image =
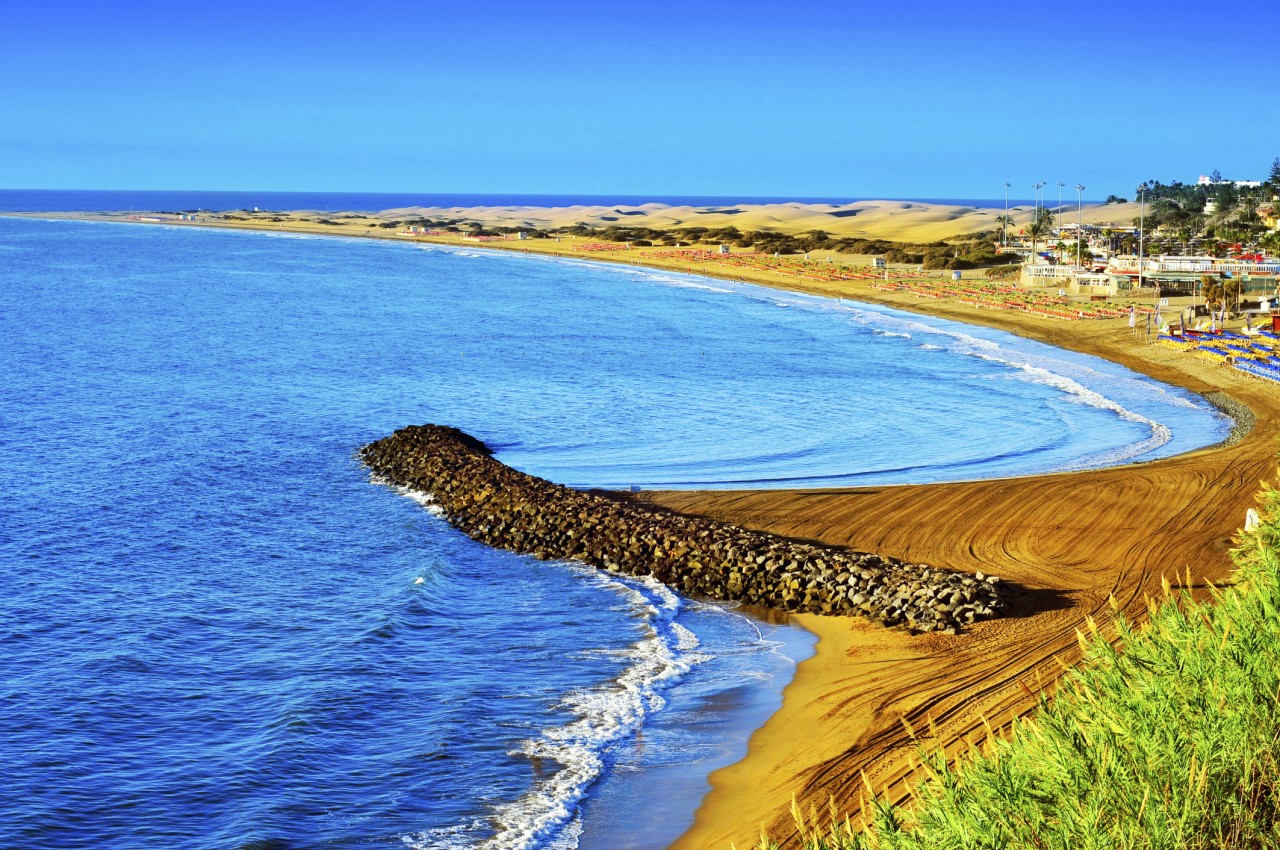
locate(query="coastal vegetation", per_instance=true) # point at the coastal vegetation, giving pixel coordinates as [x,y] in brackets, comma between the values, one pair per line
[973,250]
[1167,737]
[1211,214]
[967,252]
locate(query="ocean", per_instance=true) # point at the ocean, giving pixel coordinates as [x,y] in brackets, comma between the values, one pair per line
[174,200]
[219,632]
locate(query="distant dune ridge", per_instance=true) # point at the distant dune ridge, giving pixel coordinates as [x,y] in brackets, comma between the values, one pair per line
[895,221]
[911,221]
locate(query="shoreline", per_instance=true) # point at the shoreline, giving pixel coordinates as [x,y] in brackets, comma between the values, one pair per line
[508,509]
[1075,538]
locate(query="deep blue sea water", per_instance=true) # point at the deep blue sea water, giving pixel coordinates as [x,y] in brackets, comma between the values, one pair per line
[217,632]
[175,200]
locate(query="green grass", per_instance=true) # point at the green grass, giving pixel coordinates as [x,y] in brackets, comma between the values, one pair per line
[1169,739]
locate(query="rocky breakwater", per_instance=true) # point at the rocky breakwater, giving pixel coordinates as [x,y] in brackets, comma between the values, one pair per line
[508,509]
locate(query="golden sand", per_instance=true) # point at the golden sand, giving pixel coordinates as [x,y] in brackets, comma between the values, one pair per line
[908,221]
[1072,541]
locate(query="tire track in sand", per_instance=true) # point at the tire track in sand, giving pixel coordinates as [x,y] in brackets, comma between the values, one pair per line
[1070,541]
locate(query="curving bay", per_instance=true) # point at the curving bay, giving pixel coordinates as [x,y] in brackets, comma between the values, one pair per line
[214,615]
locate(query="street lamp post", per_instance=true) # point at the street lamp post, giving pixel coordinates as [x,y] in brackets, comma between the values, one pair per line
[1079,201]
[1142,211]
[1060,185]
[1004,237]
[1038,186]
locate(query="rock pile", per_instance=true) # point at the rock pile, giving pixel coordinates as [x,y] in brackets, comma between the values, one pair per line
[508,509]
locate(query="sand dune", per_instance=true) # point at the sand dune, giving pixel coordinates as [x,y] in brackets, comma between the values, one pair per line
[896,220]
[908,221]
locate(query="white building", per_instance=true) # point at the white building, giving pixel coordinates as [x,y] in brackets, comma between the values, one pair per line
[1204,180]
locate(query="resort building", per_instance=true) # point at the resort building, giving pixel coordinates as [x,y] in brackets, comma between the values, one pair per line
[1269,215]
[1205,180]
[1170,274]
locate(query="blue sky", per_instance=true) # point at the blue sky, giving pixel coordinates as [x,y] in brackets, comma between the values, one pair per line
[911,98]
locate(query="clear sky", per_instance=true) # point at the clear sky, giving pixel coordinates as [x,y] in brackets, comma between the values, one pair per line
[910,98]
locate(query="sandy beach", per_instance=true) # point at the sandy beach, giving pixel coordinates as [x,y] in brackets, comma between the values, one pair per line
[1074,541]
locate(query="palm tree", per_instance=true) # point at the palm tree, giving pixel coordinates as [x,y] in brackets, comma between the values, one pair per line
[1172,212]
[1271,243]
[1004,221]
[1039,226]
[1080,252]
[1035,229]
[1221,215]
[1184,236]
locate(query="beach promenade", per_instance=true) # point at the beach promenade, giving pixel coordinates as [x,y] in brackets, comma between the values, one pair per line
[1072,541]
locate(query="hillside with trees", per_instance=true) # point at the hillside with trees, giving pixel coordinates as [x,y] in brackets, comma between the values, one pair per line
[1212,216]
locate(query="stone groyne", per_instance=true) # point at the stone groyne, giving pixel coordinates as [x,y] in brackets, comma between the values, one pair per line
[508,509]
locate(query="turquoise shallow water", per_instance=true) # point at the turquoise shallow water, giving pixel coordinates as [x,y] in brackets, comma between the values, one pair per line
[217,632]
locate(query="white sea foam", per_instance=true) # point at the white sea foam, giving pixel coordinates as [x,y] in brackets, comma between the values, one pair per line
[447,837]
[1050,372]
[425,499]
[688,284]
[420,496]
[665,279]
[607,715]
[1080,394]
